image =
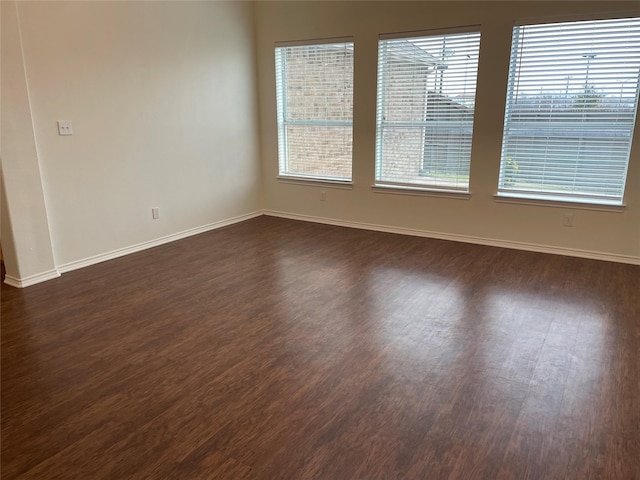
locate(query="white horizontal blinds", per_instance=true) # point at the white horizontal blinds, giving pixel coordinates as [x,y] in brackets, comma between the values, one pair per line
[315,110]
[425,109]
[571,106]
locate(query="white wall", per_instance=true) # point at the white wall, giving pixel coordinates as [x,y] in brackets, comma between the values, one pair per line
[600,234]
[163,103]
[31,257]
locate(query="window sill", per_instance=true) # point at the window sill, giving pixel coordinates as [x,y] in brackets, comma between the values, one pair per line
[317,182]
[552,202]
[423,192]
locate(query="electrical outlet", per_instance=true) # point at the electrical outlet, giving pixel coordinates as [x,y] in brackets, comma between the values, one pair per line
[65,127]
[567,220]
[323,196]
[155,213]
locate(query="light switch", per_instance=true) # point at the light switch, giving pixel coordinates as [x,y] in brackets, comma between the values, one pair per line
[65,127]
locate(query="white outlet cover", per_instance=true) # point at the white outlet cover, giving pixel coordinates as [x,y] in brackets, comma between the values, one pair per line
[65,127]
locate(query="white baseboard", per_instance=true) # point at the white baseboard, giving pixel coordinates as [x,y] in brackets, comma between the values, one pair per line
[103,257]
[531,247]
[31,279]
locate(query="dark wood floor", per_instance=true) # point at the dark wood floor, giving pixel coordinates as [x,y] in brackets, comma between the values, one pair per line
[280,349]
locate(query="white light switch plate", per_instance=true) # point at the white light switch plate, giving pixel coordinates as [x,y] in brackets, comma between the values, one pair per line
[65,127]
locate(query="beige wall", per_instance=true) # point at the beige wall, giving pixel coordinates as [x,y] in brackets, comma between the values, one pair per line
[24,213]
[163,103]
[614,234]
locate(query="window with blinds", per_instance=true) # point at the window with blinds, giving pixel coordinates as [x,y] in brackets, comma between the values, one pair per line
[425,110]
[571,105]
[314,88]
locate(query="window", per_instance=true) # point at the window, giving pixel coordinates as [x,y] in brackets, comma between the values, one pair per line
[571,104]
[425,109]
[314,87]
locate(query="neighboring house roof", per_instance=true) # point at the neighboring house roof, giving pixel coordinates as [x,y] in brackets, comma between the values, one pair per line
[409,52]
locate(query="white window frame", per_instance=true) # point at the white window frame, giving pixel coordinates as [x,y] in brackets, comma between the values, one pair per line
[386,185]
[285,174]
[507,187]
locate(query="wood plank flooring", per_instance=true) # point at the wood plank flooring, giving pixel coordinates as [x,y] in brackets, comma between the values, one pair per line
[276,349]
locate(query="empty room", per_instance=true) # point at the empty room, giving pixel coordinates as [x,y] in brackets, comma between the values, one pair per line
[320,240]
